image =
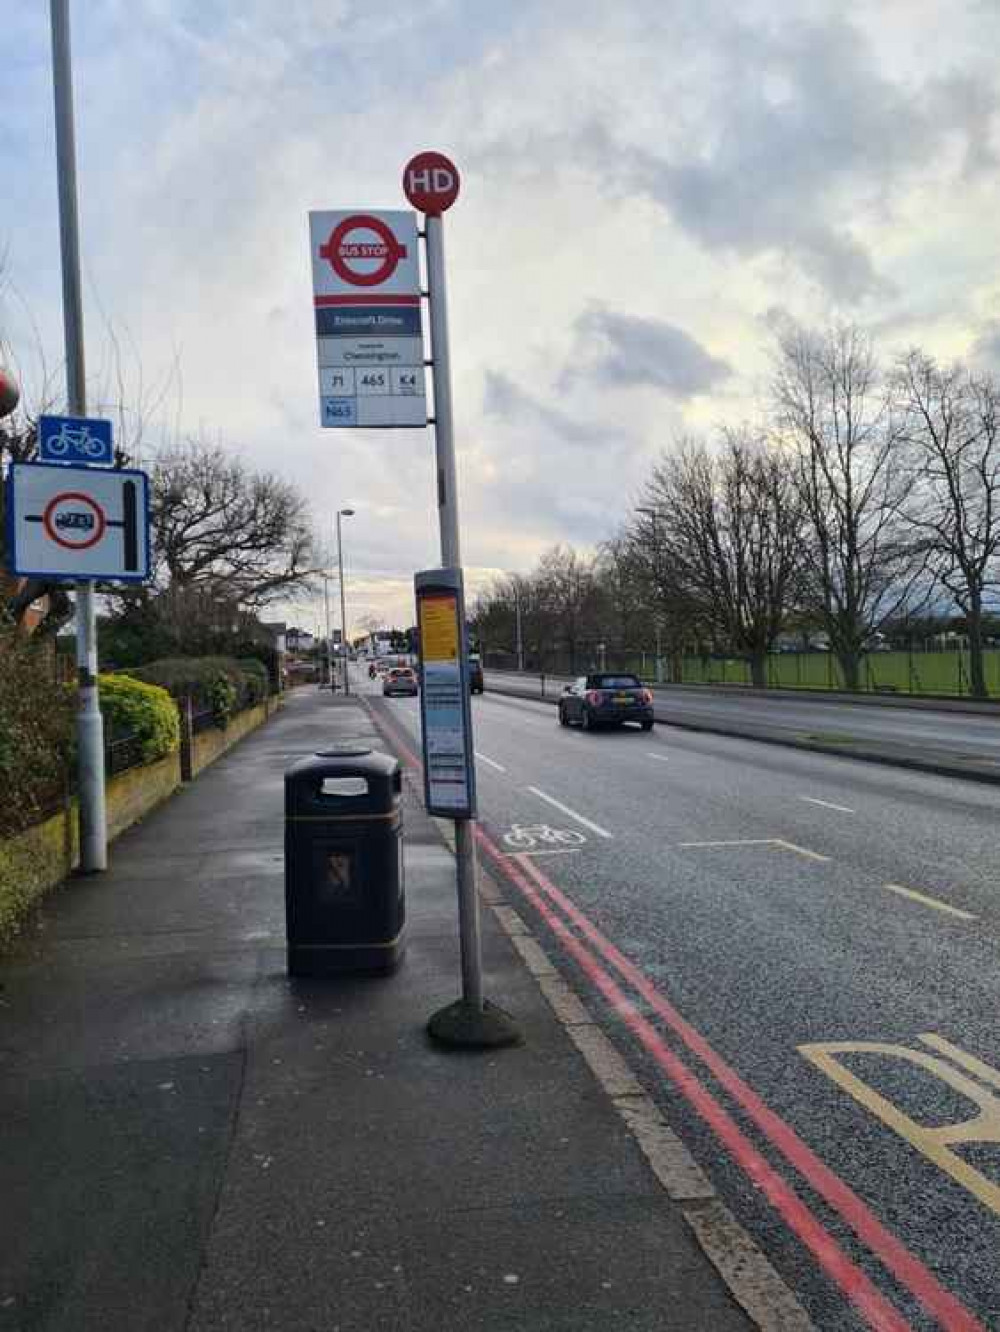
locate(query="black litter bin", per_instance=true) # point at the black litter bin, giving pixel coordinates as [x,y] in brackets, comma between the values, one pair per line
[344,899]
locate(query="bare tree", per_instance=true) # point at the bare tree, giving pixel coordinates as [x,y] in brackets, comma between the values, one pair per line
[226,541]
[731,534]
[952,423]
[834,412]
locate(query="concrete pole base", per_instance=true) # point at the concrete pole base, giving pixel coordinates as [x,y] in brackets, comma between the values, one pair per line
[463,1026]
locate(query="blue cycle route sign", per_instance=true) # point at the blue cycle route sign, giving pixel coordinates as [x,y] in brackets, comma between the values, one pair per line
[75,439]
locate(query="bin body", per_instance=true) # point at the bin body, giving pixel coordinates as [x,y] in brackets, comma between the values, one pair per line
[344,892]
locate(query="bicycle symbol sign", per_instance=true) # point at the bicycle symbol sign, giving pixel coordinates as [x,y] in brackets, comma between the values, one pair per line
[75,439]
[540,836]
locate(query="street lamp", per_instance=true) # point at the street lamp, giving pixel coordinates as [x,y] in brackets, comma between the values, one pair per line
[343,513]
[653,515]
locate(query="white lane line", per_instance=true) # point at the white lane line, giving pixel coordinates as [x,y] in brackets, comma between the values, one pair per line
[594,827]
[740,841]
[560,851]
[799,850]
[492,762]
[659,758]
[929,901]
[826,804]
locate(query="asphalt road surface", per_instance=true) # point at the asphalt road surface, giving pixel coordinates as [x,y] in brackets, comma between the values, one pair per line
[920,729]
[737,914]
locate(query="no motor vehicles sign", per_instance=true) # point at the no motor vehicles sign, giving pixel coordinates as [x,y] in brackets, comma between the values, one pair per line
[69,523]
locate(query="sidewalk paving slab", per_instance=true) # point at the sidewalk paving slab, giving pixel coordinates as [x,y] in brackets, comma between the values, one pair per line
[194,1142]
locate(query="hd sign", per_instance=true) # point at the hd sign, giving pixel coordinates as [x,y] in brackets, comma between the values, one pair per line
[366,294]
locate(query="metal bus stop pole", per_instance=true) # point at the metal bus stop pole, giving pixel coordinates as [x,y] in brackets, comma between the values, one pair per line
[473,1022]
[90,725]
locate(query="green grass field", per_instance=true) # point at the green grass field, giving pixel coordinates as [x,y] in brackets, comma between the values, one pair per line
[901,672]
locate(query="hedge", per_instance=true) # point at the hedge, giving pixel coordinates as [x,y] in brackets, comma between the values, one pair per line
[145,711]
[220,684]
[36,731]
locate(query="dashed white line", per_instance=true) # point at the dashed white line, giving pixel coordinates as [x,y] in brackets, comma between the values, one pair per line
[826,804]
[492,762]
[924,900]
[659,758]
[594,827]
[740,841]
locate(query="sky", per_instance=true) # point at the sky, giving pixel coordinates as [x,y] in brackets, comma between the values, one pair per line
[651,189]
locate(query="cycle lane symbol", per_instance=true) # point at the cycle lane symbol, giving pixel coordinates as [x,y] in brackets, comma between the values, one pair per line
[541,838]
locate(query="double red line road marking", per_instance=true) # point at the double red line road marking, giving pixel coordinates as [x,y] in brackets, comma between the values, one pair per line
[600,960]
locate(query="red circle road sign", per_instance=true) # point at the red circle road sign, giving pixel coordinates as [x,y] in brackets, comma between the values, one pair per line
[345,249]
[431,182]
[74,520]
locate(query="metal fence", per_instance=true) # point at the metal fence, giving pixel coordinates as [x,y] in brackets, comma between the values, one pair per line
[916,669]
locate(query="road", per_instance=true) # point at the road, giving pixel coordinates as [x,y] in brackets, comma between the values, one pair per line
[732,911]
[943,732]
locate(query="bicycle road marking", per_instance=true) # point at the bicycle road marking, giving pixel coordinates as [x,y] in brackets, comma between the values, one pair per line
[525,837]
[492,762]
[827,804]
[924,900]
[587,823]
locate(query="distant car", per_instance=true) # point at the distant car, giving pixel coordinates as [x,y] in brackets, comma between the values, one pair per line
[606,699]
[401,680]
[476,682]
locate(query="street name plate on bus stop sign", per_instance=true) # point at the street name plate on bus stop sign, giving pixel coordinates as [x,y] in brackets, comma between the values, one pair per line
[369,339]
[446,720]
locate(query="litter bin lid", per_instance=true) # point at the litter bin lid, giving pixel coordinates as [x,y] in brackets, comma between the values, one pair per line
[348,749]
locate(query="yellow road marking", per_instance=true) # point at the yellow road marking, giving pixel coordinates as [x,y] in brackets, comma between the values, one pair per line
[799,850]
[929,901]
[934,1143]
[761,841]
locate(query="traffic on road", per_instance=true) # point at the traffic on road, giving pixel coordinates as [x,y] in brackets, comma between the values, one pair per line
[797,955]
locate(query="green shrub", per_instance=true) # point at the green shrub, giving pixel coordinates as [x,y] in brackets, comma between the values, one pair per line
[217,684]
[36,732]
[133,708]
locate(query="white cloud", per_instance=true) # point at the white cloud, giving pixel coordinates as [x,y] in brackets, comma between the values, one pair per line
[641,183]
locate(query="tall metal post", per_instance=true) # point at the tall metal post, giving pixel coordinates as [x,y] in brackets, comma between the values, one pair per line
[517,626]
[343,513]
[451,557]
[90,726]
[329,641]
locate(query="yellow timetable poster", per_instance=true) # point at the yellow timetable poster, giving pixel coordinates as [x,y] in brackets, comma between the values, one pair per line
[439,628]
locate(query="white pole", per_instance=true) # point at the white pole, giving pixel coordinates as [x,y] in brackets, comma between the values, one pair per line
[343,603]
[89,723]
[517,620]
[451,557]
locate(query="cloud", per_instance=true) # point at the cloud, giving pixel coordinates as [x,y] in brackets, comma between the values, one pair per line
[622,351]
[985,350]
[504,399]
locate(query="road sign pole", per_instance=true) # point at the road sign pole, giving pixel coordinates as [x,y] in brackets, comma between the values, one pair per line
[90,726]
[473,1022]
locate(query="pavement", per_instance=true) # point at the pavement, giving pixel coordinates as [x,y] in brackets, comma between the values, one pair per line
[951,738]
[193,1141]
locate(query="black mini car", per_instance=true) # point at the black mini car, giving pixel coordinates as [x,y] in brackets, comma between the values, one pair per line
[606,700]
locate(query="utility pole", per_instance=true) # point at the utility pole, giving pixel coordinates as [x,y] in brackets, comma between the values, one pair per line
[654,515]
[89,723]
[329,643]
[517,625]
[343,513]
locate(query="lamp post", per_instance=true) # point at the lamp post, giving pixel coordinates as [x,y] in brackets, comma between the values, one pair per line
[517,625]
[343,513]
[326,613]
[653,515]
